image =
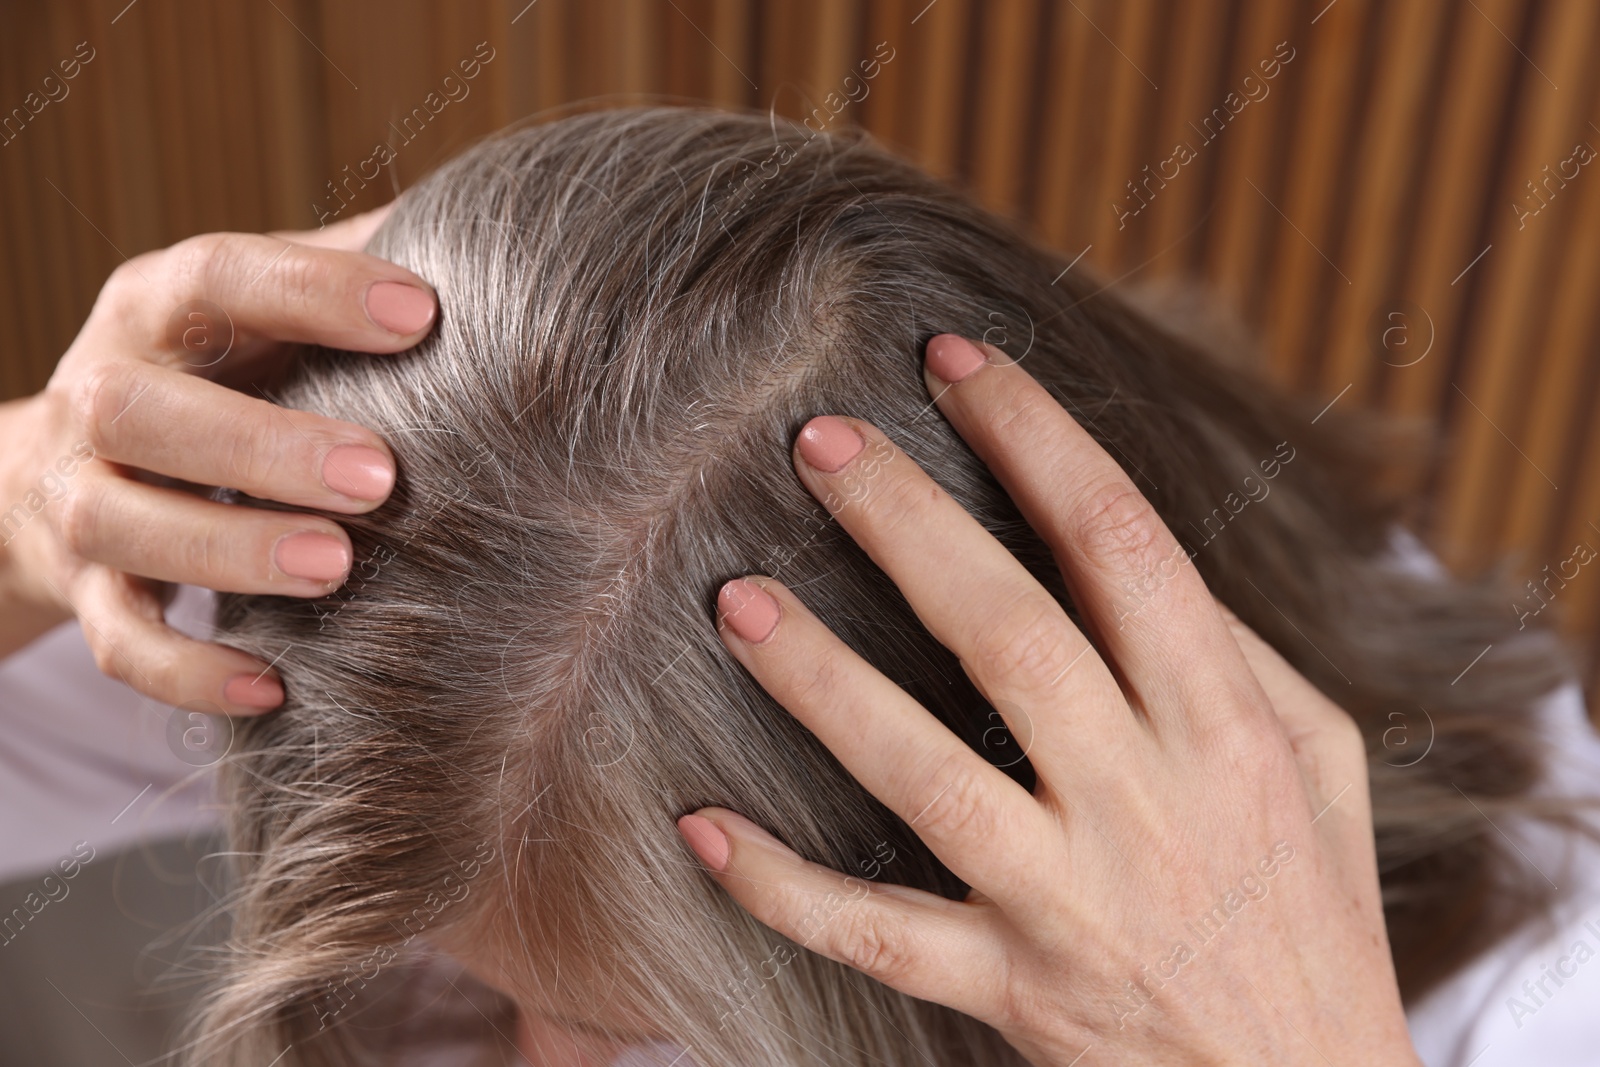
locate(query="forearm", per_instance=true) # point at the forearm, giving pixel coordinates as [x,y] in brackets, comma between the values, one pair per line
[28,608]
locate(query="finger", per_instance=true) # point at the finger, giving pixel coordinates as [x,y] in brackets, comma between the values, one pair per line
[1012,636]
[1328,746]
[230,285]
[125,630]
[1126,571]
[919,943]
[1301,706]
[1327,743]
[979,822]
[351,234]
[160,420]
[171,536]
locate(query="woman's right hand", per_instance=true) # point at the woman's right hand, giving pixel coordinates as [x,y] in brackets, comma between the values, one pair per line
[93,514]
[1193,879]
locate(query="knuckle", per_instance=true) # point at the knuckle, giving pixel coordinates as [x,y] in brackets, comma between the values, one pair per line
[879,489]
[879,946]
[1032,643]
[122,276]
[1020,997]
[253,455]
[1234,707]
[199,265]
[99,397]
[1254,740]
[203,557]
[1119,530]
[1346,742]
[127,282]
[817,685]
[78,517]
[304,276]
[961,806]
[106,658]
[1022,414]
[1253,748]
[891,503]
[123,304]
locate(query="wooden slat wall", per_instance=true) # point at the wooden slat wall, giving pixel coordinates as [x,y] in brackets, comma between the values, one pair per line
[1377,175]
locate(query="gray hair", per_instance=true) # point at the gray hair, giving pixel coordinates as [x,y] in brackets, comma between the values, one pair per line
[639,309]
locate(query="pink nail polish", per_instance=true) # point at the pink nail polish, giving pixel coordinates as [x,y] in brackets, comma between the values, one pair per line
[708,842]
[313,556]
[249,691]
[953,358]
[398,307]
[828,443]
[749,610]
[358,472]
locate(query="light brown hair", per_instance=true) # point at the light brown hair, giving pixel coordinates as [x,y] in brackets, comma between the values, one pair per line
[639,309]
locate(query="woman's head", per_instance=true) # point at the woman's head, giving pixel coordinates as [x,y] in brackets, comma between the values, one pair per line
[490,731]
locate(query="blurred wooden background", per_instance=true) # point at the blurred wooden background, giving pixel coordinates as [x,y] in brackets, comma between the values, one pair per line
[1402,209]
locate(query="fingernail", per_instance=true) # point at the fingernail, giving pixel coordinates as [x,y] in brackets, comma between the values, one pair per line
[313,556]
[252,691]
[708,842]
[398,307]
[828,443]
[358,472]
[953,358]
[749,610]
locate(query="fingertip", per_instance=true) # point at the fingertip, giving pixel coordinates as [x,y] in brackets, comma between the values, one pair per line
[400,308]
[749,611]
[828,443]
[318,556]
[362,473]
[707,840]
[950,359]
[253,694]
[737,828]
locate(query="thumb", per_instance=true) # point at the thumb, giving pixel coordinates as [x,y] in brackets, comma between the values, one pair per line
[349,235]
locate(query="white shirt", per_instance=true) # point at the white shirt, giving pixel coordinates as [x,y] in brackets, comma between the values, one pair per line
[85,759]
[1534,999]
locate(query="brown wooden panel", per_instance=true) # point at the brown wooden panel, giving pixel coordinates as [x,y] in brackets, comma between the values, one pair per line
[1385,162]
[1004,84]
[1304,276]
[1458,168]
[936,47]
[1128,31]
[884,109]
[1193,69]
[1246,146]
[1561,397]
[1494,391]
[1065,164]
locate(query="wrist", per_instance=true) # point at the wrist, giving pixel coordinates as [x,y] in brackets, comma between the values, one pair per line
[29,606]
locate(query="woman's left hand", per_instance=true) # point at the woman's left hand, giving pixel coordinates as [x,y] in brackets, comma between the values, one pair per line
[1192,881]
